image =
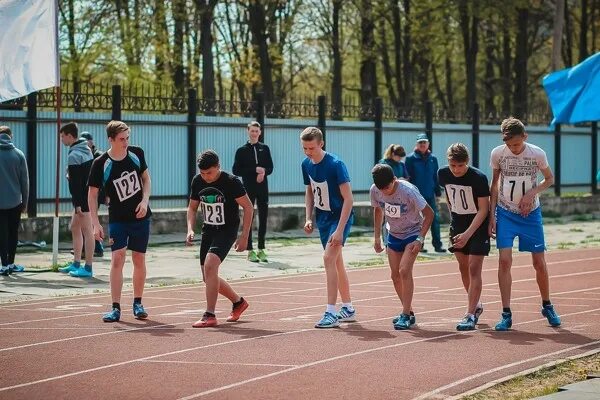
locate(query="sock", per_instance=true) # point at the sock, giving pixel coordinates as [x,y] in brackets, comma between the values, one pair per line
[88,267]
[331,309]
[507,309]
[210,314]
[546,303]
[137,300]
[117,306]
[479,304]
[239,302]
[412,313]
[348,306]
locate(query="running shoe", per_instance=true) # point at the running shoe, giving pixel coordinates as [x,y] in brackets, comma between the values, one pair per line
[403,322]
[505,323]
[69,268]
[139,312]
[549,312]
[208,320]
[262,256]
[329,320]
[16,268]
[467,323]
[82,272]
[112,316]
[236,311]
[252,257]
[346,315]
[413,319]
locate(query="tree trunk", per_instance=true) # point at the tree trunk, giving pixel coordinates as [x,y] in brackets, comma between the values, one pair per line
[506,71]
[559,18]
[387,68]
[259,40]
[161,41]
[490,41]
[407,69]
[368,76]
[470,33]
[336,82]
[206,45]
[397,31]
[520,65]
[568,48]
[583,31]
[179,15]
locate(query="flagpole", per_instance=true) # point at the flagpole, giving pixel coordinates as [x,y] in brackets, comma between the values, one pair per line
[55,222]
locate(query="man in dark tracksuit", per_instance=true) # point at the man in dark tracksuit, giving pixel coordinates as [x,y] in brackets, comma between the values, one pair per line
[253,164]
[79,163]
[99,247]
[422,168]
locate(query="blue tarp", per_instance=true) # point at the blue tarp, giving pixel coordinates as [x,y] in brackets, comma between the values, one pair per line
[574,93]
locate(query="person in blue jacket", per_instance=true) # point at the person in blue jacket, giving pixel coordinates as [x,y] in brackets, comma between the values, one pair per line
[422,167]
[393,156]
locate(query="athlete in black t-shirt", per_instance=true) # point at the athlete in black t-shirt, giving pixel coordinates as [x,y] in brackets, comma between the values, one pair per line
[219,195]
[123,174]
[468,196]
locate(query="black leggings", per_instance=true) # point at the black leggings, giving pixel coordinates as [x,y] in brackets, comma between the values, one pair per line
[262,203]
[9,230]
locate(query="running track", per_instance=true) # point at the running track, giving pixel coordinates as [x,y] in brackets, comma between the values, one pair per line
[59,348]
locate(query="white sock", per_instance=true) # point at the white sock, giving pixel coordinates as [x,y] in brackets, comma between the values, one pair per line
[331,309]
[348,306]
[479,304]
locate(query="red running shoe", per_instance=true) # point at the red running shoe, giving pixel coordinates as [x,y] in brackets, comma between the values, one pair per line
[207,321]
[236,312]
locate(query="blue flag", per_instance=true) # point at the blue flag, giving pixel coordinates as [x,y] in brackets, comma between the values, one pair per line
[574,93]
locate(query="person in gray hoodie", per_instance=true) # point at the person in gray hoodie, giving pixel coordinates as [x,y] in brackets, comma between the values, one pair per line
[79,161]
[15,193]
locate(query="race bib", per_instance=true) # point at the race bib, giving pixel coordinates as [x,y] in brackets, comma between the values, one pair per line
[127,185]
[515,187]
[320,195]
[214,213]
[392,210]
[461,199]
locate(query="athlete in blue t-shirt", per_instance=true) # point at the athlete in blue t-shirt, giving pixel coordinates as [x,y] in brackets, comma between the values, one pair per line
[408,217]
[468,199]
[328,190]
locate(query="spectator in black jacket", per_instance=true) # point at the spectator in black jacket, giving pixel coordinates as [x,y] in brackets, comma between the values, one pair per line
[99,246]
[253,164]
[79,161]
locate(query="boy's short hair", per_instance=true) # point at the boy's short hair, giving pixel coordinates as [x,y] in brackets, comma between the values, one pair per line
[70,128]
[311,133]
[458,152]
[383,175]
[207,159]
[511,127]
[5,129]
[114,128]
[253,123]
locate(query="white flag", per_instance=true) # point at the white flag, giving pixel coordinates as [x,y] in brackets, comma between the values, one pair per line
[28,47]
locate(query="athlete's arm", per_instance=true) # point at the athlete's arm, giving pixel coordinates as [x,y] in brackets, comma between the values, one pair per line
[377,222]
[93,205]
[346,192]
[493,202]
[142,208]
[527,200]
[191,220]
[246,204]
[428,215]
[309,204]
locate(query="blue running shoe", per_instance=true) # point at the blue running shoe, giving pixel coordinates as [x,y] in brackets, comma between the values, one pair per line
[82,273]
[5,270]
[346,315]
[553,318]
[467,323]
[329,320]
[139,312]
[113,316]
[505,323]
[413,319]
[403,322]
[16,268]
[478,312]
[70,268]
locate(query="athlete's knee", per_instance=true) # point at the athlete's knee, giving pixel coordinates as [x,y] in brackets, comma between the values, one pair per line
[539,264]
[329,259]
[395,275]
[405,272]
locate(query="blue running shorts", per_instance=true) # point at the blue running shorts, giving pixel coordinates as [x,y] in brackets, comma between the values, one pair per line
[399,245]
[133,235]
[327,230]
[529,230]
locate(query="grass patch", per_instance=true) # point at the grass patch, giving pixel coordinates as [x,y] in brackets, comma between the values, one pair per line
[371,262]
[591,240]
[543,382]
[583,217]
[575,230]
[551,214]
[55,267]
[565,245]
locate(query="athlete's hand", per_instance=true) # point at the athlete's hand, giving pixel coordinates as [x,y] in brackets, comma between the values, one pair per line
[98,232]
[492,227]
[189,238]
[260,170]
[377,245]
[260,177]
[526,204]
[77,210]
[308,227]
[414,247]
[241,243]
[459,241]
[336,238]
[141,209]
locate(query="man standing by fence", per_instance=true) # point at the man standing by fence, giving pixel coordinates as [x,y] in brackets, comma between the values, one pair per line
[253,164]
[422,168]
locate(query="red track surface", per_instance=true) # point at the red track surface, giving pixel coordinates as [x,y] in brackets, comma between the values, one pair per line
[60,348]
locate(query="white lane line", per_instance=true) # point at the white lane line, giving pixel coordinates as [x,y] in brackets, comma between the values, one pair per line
[219,363]
[263,337]
[357,353]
